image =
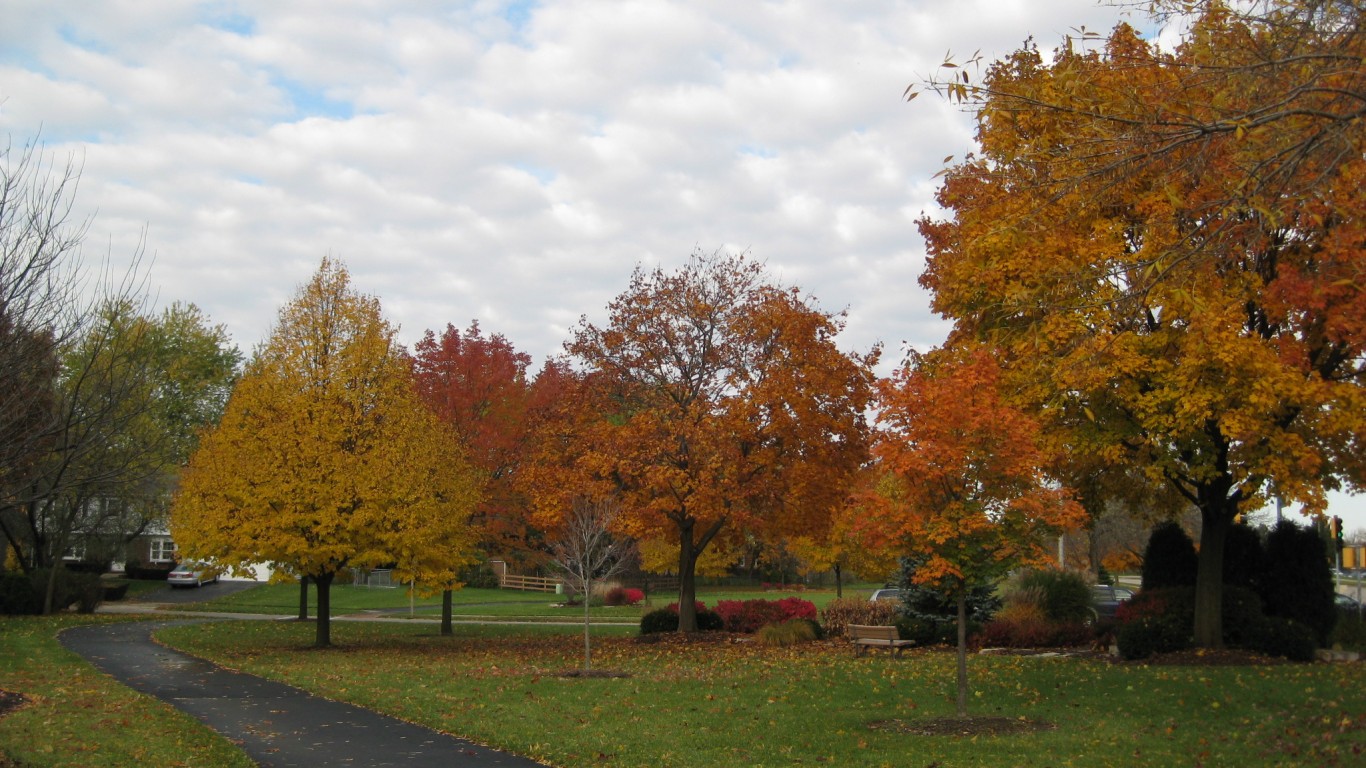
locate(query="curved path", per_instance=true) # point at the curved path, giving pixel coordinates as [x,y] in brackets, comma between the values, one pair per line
[275,724]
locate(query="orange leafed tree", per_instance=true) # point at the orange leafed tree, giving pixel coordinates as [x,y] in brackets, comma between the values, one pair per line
[964,489]
[1167,245]
[711,401]
[326,459]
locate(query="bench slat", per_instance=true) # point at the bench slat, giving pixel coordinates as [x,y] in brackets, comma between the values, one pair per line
[866,636]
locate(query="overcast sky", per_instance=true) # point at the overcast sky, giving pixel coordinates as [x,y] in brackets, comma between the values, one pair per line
[509,162]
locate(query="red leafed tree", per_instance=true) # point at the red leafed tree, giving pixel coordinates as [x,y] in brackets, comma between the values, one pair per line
[964,491]
[478,384]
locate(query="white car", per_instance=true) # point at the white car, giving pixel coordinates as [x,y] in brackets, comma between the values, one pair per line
[190,574]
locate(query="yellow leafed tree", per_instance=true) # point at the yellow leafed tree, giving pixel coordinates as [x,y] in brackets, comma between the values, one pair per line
[326,459]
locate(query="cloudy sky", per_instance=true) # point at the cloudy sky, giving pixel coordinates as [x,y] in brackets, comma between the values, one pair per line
[509,162]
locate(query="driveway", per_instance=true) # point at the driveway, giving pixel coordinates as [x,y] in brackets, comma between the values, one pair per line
[181,595]
[275,724]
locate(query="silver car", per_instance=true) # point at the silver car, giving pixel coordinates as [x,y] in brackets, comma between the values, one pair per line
[191,574]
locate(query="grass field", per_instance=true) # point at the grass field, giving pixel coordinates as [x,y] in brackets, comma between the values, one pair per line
[469,603]
[76,716]
[729,703]
[711,703]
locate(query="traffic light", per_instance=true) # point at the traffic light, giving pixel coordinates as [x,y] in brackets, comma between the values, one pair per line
[1336,527]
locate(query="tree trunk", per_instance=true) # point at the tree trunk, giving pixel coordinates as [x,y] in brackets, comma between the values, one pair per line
[688,552]
[687,581]
[446,629]
[839,582]
[963,651]
[1215,522]
[324,636]
[587,642]
[50,592]
[303,599]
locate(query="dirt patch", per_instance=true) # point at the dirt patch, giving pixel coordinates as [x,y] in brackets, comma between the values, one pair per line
[592,674]
[1206,657]
[1193,657]
[10,702]
[963,726]
[691,638]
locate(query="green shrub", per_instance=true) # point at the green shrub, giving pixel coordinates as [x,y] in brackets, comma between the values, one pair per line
[710,621]
[1064,596]
[1244,557]
[86,591]
[921,601]
[1244,621]
[786,633]
[18,595]
[1298,584]
[666,620]
[927,631]
[1169,560]
[817,631]
[1349,634]
[1148,635]
[1287,638]
[660,620]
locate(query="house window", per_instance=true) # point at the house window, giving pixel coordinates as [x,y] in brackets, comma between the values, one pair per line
[74,552]
[162,550]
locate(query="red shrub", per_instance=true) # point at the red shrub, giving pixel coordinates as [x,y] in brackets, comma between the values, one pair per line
[1033,634]
[749,616]
[623,596]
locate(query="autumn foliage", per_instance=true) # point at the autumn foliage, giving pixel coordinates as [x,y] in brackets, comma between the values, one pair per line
[478,385]
[964,492]
[712,402]
[326,459]
[1166,245]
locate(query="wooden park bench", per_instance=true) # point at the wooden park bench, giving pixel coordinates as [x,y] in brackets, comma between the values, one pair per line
[865,637]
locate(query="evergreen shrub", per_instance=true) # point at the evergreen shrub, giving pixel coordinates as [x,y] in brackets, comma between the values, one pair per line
[1287,638]
[1169,559]
[18,595]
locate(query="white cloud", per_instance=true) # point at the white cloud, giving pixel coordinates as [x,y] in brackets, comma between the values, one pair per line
[509,162]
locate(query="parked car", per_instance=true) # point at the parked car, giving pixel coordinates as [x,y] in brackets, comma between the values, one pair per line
[1108,598]
[888,593]
[1347,602]
[191,574]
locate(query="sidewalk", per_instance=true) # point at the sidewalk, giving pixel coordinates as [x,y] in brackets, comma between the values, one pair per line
[275,724]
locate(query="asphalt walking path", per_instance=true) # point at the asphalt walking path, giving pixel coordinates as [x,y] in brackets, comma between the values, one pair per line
[277,725]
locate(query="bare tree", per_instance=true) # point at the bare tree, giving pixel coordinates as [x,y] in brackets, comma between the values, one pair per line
[86,408]
[588,552]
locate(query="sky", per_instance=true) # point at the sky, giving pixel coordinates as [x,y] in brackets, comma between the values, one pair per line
[511,162]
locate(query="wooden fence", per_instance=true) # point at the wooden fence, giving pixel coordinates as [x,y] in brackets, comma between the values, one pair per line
[529,583]
[651,584]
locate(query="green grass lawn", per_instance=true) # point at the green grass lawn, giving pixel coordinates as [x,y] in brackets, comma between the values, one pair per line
[471,603]
[726,704]
[695,704]
[76,716]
